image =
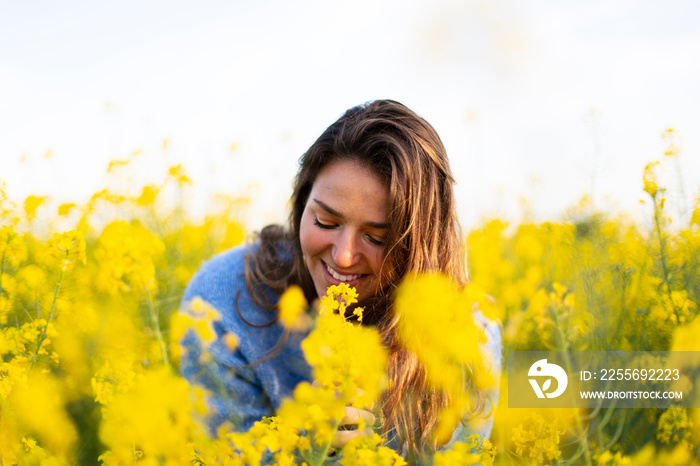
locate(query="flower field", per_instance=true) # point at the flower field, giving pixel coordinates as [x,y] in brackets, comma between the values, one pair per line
[89,332]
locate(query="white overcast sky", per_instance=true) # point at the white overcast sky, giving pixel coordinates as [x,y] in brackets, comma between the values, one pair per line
[544,100]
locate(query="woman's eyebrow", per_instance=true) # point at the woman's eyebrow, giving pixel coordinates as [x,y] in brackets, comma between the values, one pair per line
[335,213]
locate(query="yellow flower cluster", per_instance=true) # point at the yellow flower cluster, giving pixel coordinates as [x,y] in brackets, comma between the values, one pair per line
[349,368]
[69,248]
[650,186]
[537,439]
[348,359]
[292,306]
[337,299]
[369,450]
[674,426]
[599,282]
[474,450]
[427,306]
[89,325]
[80,321]
[134,421]
[128,253]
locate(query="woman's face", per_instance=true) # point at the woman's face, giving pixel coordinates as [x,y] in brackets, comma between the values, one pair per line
[343,228]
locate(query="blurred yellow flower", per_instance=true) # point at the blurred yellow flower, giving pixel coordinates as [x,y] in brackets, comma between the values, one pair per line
[291,306]
[674,426]
[155,415]
[537,439]
[176,172]
[148,195]
[64,209]
[363,451]
[69,248]
[650,185]
[13,249]
[346,358]
[31,204]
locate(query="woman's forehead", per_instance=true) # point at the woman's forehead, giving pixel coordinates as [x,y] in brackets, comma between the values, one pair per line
[350,188]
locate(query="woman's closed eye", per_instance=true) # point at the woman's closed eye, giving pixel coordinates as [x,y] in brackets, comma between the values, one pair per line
[375,241]
[325,226]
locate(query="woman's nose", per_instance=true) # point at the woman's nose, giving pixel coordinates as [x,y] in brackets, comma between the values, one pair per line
[346,253]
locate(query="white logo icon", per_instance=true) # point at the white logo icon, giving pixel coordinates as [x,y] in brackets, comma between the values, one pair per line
[542,369]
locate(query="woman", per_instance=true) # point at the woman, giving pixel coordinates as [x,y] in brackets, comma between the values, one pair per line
[372,202]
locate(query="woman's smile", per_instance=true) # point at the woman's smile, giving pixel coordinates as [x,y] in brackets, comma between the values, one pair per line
[343,278]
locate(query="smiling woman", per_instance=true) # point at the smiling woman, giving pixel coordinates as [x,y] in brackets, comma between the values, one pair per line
[372,204]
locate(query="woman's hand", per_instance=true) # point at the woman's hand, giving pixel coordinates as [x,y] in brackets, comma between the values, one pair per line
[348,427]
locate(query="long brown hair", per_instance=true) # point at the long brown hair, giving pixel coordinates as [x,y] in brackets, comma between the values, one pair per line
[423,236]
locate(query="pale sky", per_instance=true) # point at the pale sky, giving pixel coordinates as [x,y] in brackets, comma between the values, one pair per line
[531,98]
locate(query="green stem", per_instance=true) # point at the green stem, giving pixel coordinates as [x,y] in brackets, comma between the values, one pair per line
[51,316]
[618,432]
[662,248]
[583,437]
[2,263]
[154,317]
[156,327]
[319,457]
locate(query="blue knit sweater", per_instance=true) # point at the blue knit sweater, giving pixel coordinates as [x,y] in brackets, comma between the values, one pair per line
[257,391]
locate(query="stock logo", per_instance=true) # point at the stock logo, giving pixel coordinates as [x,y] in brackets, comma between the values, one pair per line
[542,369]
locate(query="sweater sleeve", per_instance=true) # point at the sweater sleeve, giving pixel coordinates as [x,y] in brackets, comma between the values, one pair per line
[238,391]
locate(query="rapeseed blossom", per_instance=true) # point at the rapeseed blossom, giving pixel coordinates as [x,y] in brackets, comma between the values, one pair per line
[674,426]
[152,421]
[474,450]
[444,354]
[650,186]
[127,254]
[452,359]
[292,305]
[86,317]
[346,358]
[69,248]
[362,451]
[537,439]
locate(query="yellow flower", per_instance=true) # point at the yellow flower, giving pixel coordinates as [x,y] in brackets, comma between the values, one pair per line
[338,298]
[358,312]
[40,408]
[203,317]
[64,209]
[126,254]
[148,195]
[69,248]
[685,337]
[362,451]
[291,307]
[109,381]
[156,416]
[445,339]
[537,439]
[650,185]
[31,204]
[346,358]
[475,450]
[231,341]
[176,172]
[12,247]
[316,410]
[674,426]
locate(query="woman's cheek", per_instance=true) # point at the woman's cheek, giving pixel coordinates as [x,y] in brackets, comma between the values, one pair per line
[310,239]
